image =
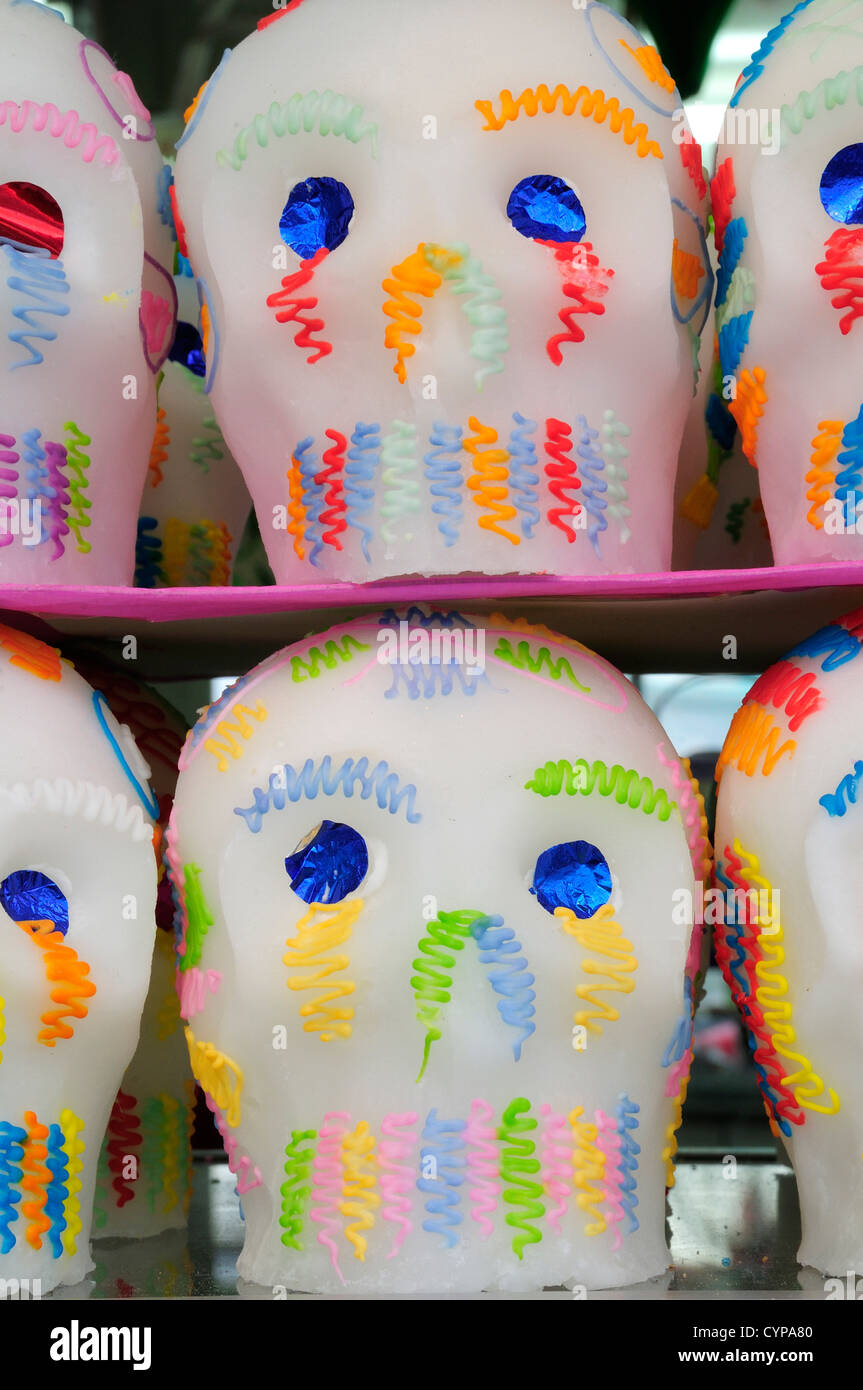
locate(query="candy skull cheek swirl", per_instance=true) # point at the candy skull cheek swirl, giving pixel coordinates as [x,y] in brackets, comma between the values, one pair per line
[432,255]
[787,208]
[77,891]
[788,829]
[84,264]
[426,935]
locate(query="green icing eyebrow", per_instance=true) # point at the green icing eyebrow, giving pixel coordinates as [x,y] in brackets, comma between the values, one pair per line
[828,93]
[627,786]
[322,113]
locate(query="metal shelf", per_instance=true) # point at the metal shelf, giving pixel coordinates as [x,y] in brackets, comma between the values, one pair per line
[728,1240]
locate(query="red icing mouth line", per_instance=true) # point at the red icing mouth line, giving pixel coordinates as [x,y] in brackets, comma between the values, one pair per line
[124,1135]
[279,14]
[585,277]
[842,269]
[334,501]
[562,475]
[788,689]
[691,159]
[722,195]
[765,1054]
[293,309]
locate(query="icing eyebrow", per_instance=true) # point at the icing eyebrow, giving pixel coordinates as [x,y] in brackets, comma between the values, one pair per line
[626,785]
[579,101]
[318,113]
[287,784]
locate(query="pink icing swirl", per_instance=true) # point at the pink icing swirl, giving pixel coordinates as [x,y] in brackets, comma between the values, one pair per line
[192,988]
[556,1159]
[327,1188]
[397,1178]
[242,1167]
[483,1165]
[608,1143]
[676,1072]
[62,125]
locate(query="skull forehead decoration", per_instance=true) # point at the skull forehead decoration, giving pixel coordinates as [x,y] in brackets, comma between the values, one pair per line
[195,501]
[788,211]
[87,303]
[428,958]
[788,835]
[77,898]
[436,254]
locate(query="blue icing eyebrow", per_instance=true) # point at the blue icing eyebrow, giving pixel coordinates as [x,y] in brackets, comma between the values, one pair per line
[434,619]
[313,778]
[755,67]
[143,791]
[203,99]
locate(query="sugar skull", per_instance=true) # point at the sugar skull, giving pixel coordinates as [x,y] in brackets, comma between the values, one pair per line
[144,1180]
[87,303]
[788,213]
[788,867]
[77,899]
[444,1014]
[453,272]
[195,502]
[719,518]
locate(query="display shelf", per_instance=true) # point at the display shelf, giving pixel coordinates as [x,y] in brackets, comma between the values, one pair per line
[727,1240]
[670,622]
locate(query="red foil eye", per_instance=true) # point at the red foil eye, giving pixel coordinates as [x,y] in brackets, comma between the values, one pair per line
[31,217]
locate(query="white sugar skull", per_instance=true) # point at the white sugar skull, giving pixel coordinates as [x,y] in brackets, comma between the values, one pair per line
[719,517]
[77,897]
[429,960]
[454,272]
[195,502]
[144,1182]
[87,303]
[788,833]
[788,211]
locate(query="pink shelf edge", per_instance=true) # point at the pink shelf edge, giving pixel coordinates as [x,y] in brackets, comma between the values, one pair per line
[172,605]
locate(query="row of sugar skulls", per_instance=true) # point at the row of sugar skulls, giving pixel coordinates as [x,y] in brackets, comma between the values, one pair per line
[78,889]
[787,206]
[436,259]
[428,467]
[587,172]
[434,1064]
[89,311]
[480,1035]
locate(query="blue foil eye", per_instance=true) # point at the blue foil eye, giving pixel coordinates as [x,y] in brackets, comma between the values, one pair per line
[28,896]
[317,214]
[841,186]
[574,875]
[188,349]
[545,208]
[330,865]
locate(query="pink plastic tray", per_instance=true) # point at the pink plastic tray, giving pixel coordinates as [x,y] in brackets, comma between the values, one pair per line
[172,605]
